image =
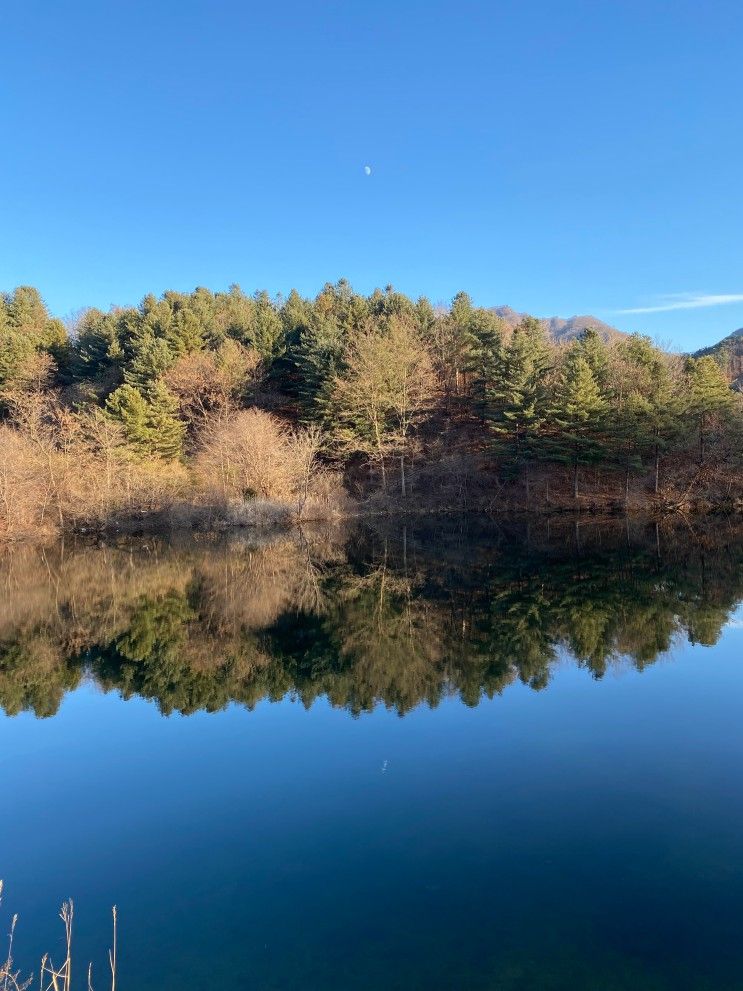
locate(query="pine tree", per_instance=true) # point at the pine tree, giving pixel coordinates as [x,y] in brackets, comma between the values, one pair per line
[578,415]
[591,346]
[709,398]
[150,357]
[28,339]
[425,317]
[186,334]
[96,348]
[339,303]
[485,354]
[129,408]
[390,303]
[26,312]
[517,397]
[268,332]
[318,358]
[235,316]
[458,342]
[645,406]
[296,315]
[150,424]
[165,431]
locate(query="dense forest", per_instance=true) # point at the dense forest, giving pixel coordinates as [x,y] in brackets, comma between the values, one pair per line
[202,407]
[393,614]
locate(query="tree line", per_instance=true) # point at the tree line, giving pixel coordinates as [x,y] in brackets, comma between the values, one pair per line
[289,398]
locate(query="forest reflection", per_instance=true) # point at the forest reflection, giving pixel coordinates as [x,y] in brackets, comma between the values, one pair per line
[391,614]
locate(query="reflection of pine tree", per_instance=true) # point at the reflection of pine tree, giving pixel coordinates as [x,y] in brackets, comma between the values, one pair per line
[199,628]
[520,633]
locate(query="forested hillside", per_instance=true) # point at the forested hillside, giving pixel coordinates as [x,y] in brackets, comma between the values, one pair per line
[729,354]
[229,403]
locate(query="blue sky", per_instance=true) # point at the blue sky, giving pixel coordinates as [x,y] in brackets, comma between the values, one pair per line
[561,157]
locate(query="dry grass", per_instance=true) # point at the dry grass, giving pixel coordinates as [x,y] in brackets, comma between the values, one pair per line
[60,471]
[51,976]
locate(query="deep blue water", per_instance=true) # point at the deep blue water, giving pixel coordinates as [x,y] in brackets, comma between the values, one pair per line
[585,836]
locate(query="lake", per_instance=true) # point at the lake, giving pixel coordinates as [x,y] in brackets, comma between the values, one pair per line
[445,755]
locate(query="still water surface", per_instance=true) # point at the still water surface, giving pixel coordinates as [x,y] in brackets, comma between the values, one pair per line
[487,758]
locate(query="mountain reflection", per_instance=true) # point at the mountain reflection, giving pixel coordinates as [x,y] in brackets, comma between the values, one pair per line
[395,614]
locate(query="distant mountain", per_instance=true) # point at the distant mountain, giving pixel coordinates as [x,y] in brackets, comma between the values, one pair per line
[729,351]
[559,328]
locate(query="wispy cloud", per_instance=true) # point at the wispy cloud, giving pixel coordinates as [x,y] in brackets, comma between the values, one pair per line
[686,301]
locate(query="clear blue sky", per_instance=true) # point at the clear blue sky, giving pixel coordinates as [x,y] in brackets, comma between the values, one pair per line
[562,157]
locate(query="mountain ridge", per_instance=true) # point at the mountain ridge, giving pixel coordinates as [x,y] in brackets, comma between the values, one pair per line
[728,350]
[562,328]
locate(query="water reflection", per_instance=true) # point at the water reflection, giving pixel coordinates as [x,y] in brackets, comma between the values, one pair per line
[392,614]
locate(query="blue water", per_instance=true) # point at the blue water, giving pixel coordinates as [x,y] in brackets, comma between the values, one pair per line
[587,836]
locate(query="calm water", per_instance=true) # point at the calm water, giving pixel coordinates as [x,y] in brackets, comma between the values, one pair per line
[451,758]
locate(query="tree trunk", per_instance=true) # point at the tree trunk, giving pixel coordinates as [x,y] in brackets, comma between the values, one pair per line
[656,487]
[701,442]
[626,486]
[402,475]
[380,452]
[575,477]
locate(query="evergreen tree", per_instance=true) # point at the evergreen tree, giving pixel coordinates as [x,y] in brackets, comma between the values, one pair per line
[517,397]
[578,415]
[150,357]
[186,333]
[165,430]
[234,317]
[390,303]
[710,400]
[318,358]
[342,305]
[425,317]
[458,341]
[202,303]
[150,424]
[129,408]
[295,315]
[485,355]
[592,347]
[96,349]
[645,408]
[26,312]
[27,332]
[268,332]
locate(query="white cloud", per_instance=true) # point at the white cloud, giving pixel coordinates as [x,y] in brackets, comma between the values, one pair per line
[686,301]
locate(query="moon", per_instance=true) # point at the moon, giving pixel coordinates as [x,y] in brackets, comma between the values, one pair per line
[367,170]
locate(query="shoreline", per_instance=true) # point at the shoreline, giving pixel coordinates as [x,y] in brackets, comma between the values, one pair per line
[194,518]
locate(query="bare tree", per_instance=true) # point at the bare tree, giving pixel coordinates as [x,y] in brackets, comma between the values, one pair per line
[255,454]
[208,385]
[386,390]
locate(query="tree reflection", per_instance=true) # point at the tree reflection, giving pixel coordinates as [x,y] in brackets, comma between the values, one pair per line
[393,615]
